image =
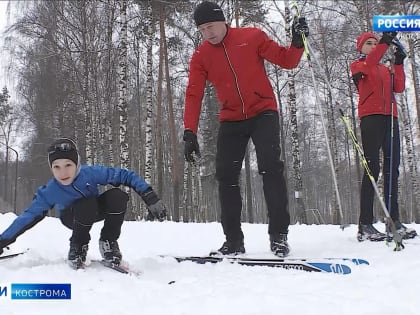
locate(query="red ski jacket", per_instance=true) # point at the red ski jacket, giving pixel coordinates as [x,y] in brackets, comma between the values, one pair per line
[235,68]
[374,84]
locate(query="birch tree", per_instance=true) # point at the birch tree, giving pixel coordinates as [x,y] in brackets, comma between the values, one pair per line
[122,87]
[149,94]
[291,102]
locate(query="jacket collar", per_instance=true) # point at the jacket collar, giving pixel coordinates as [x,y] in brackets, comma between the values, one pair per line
[224,40]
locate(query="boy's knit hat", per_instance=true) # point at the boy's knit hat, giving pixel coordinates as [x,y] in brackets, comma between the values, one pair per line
[63,148]
[362,38]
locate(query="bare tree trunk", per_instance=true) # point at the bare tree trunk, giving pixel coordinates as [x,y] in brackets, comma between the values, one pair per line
[122,94]
[108,130]
[6,173]
[149,95]
[85,87]
[159,117]
[201,217]
[186,187]
[122,87]
[411,160]
[414,68]
[291,101]
[172,130]
[248,187]
[332,130]
[353,121]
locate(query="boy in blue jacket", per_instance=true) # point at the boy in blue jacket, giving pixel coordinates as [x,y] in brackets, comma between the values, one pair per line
[73,191]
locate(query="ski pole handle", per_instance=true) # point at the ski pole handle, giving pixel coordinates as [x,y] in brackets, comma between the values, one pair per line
[398,44]
[295,7]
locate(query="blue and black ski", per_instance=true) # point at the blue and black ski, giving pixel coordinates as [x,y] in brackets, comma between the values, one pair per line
[321,265]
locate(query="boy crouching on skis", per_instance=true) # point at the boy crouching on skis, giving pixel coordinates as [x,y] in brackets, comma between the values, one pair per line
[73,191]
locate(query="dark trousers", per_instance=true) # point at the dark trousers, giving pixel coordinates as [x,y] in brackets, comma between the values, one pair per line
[232,141]
[376,136]
[109,206]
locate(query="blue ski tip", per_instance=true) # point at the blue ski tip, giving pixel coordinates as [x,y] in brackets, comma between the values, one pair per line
[330,267]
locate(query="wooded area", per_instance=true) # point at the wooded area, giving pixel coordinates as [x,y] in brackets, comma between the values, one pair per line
[112,75]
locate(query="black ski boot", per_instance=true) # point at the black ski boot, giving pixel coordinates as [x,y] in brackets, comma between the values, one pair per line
[77,255]
[368,232]
[230,248]
[405,232]
[110,251]
[279,245]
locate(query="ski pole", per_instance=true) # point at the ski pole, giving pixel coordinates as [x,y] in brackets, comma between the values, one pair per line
[391,144]
[396,236]
[324,128]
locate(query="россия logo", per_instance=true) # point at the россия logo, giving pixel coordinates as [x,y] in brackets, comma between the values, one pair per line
[396,23]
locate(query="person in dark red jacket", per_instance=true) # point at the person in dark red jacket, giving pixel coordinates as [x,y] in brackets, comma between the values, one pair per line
[377,110]
[232,60]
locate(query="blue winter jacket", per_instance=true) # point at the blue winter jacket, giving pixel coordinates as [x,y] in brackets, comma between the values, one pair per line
[54,194]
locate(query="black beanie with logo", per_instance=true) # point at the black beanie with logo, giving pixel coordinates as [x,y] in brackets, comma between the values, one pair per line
[208,12]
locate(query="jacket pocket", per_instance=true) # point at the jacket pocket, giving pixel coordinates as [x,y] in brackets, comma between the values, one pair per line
[363,100]
[262,96]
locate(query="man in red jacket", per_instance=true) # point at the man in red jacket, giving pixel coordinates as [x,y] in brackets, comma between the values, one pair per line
[377,110]
[232,60]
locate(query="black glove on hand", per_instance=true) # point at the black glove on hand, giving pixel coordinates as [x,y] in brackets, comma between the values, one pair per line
[399,56]
[156,207]
[190,146]
[299,27]
[387,37]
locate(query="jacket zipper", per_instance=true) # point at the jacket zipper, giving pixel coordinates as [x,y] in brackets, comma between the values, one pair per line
[236,81]
[78,190]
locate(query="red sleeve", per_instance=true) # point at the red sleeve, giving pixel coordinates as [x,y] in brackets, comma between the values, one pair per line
[399,78]
[194,93]
[357,66]
[285,57]
[376,54]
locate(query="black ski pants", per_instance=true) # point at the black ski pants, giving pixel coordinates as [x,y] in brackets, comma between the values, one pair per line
[109,206]
[376,136]
[233,138]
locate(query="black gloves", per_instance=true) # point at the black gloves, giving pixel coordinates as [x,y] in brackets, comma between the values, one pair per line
[156,207]
[399,56]
[387,37]
[299,27]
[191,145]
[357,77]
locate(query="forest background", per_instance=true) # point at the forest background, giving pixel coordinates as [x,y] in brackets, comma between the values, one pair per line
[112,75]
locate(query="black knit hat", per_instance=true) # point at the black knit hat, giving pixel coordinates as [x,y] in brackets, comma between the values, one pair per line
[63,148]
[208,12]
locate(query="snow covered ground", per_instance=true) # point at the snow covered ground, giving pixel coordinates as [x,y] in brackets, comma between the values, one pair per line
[388,286]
